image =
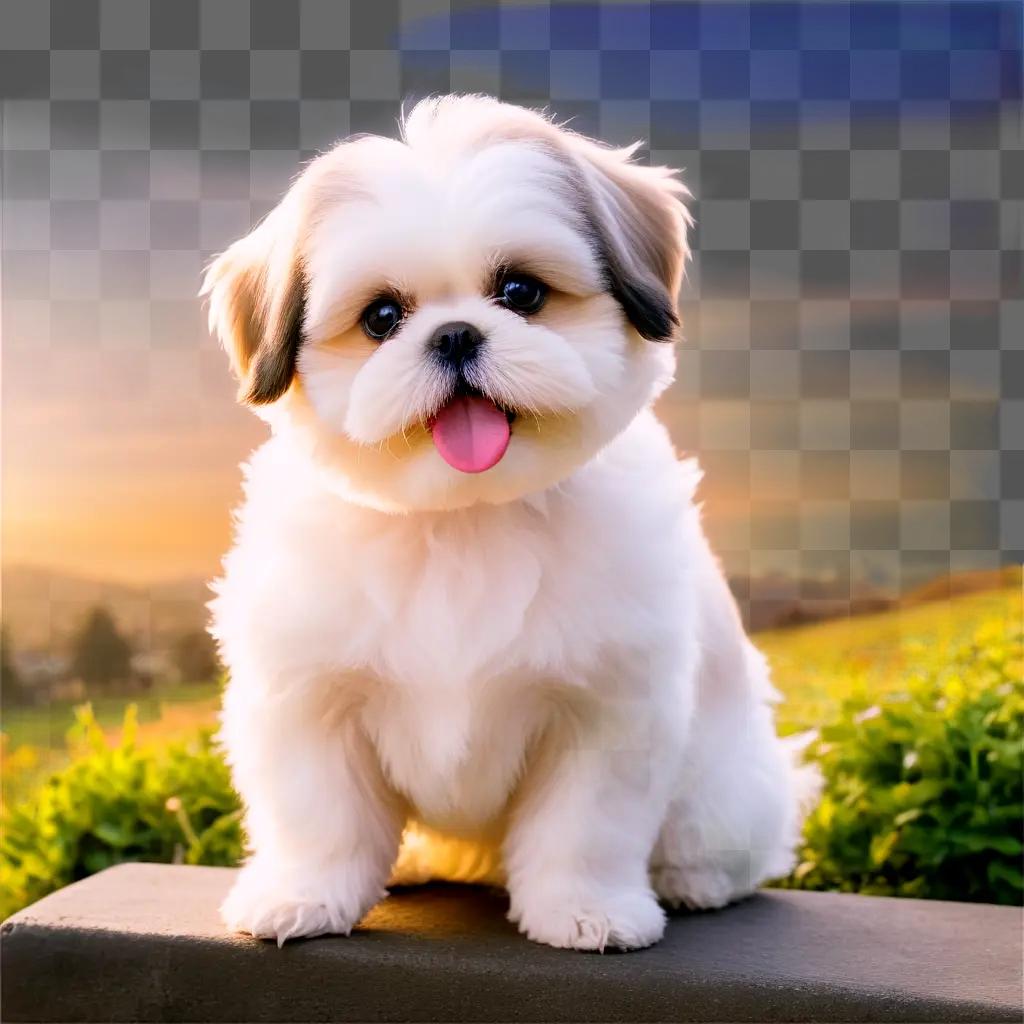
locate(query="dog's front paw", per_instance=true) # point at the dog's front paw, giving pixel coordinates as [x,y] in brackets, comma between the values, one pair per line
[280,920]
[288,905]
[627,919]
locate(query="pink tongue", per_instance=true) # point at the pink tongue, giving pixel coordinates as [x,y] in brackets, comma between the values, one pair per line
[471,433]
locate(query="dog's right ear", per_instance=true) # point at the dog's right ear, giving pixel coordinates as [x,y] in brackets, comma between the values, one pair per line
[257,296]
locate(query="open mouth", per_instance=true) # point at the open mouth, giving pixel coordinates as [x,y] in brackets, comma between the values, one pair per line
[471,432]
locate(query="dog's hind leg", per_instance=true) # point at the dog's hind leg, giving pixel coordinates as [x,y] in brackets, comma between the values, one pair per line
[734,820]
[581,833]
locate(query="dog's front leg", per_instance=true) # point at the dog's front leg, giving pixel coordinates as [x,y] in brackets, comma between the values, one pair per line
[581,834]
[323,826]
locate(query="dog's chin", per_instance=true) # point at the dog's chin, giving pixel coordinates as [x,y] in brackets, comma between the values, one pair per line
[407,473]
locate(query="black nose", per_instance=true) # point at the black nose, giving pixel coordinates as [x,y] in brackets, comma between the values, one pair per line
[455,343]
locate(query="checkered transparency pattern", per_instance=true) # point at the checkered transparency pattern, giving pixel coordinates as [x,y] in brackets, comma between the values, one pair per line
[853,372]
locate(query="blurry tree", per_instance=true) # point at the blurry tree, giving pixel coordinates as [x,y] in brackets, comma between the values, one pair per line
[12,686]
[195,657]
[100,655]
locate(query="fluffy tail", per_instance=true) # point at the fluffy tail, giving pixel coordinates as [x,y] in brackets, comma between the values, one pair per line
[807,780]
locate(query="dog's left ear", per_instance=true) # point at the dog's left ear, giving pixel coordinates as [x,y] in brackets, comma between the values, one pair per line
[640,225]
[257,302]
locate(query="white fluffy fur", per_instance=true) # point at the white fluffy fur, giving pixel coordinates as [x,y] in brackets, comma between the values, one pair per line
[535,674]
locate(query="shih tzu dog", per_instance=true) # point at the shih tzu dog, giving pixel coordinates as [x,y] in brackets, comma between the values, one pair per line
[473,627]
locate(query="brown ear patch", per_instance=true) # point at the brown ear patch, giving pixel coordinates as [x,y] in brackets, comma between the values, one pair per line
[646,303]
[279,330]
[257,295]
[638,224]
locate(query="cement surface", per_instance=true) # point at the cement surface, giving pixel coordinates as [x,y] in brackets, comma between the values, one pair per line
[142,942]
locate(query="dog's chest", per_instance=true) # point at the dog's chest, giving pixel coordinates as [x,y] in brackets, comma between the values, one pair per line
[474,622]
[455,755]
[459,602]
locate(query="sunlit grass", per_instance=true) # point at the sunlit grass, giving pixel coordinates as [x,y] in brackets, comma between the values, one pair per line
[816,666]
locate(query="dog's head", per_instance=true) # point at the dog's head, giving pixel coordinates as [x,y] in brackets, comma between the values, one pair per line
[466,315]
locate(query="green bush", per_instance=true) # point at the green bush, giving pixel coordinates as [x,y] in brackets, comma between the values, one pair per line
[172,804]
[923,791]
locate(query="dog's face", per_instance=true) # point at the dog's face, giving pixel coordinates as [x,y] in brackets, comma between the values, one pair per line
[468,315]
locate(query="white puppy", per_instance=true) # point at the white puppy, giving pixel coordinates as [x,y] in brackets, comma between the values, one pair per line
[470,604]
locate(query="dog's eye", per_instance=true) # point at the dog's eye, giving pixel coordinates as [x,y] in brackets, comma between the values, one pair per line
[381,317]
[522,293]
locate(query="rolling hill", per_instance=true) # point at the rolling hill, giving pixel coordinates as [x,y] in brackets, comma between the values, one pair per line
[43,607]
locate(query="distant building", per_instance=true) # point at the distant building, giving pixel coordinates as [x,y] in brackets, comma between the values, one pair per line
[149,667]
[46,676]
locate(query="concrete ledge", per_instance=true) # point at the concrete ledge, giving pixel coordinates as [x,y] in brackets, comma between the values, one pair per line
[142,942]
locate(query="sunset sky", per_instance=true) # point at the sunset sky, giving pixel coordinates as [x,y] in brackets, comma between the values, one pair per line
[121,464]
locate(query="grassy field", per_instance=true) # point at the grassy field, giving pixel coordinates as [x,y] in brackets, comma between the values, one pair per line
[815,667]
